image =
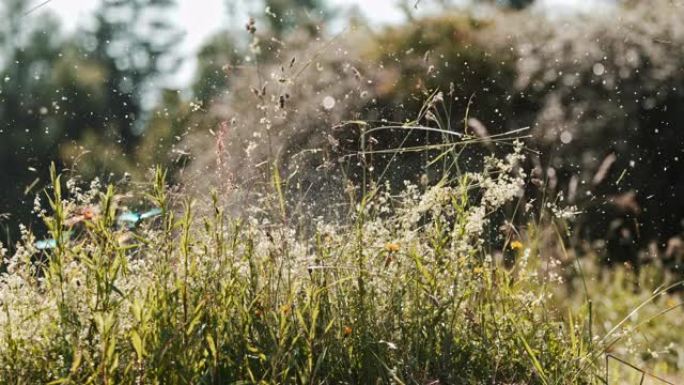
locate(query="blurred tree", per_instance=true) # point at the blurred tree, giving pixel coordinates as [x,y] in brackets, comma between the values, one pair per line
[133,41]
[512,4]
[408,5]
[27,133]
[284,15]
[441,54]
[215,63]
[95,93]
[167,124]
[518,4]
[606,91]
[111,76]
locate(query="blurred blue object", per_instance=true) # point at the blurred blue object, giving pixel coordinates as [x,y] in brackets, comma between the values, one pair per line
[47,244]
[128,219]
[151,213]
[132,219]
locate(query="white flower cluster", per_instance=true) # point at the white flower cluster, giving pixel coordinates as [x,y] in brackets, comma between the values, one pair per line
[81,197]
[502,180]
[564,213]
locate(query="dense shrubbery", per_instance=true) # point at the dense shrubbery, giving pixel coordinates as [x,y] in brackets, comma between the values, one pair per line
[601,98]
[608,88]
[404,291]
[308,106]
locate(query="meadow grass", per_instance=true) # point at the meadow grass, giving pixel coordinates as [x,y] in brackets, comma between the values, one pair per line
[408,290]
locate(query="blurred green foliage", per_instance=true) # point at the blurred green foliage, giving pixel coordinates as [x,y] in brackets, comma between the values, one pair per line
[600,98]
[286,15]
[216,61]
[28,138]
[82,100]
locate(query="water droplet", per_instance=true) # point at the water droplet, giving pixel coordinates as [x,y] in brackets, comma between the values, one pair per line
[328,102]
[599,69]
[565,137]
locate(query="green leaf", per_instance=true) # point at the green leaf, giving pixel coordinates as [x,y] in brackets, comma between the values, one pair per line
[137,342]
[212,345]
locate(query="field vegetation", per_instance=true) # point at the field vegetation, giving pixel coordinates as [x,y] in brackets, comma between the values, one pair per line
[464,198]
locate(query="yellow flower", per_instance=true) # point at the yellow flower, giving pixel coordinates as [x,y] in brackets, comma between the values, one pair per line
[392,247]
[516,245]
[671,302]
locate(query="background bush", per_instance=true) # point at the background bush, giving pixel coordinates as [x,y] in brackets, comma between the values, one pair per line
[600,96]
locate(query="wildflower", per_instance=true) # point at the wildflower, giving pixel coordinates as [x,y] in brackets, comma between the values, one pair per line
[88,213]
[476,221]
[347,330]
[392,247]
[84,214]
[671,302]
[516,245]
